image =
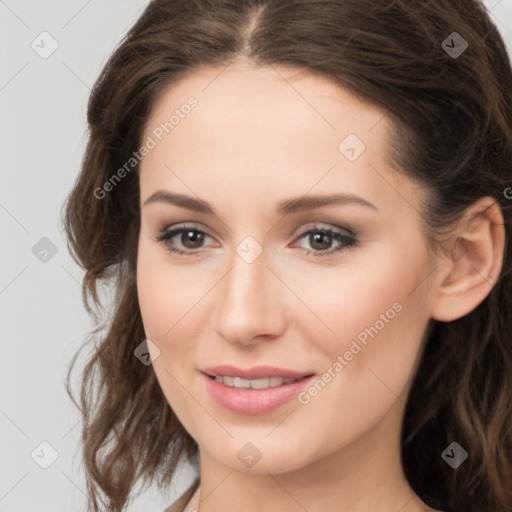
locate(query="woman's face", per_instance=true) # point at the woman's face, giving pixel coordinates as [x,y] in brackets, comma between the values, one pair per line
[333,292]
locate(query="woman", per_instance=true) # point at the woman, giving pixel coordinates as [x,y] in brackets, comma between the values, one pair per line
[304,210]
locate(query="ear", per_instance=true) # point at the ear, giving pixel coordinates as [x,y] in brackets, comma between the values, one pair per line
[470,272]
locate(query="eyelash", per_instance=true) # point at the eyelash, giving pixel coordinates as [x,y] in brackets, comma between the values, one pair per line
[166,235]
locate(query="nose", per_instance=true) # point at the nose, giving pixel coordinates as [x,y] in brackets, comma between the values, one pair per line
[250,303]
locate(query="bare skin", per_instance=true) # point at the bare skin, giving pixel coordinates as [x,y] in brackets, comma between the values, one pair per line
[259,136]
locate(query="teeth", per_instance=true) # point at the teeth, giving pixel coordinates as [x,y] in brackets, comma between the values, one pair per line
[237,382]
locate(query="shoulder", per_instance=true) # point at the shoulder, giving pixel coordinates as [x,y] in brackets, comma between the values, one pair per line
[181,502]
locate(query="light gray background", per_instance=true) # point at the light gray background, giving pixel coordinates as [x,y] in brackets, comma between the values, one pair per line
[42,138]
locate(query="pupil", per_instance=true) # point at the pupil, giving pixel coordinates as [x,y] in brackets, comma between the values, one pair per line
[319,237]
[193,236]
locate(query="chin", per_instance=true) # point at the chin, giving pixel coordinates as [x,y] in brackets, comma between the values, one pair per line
[254,455]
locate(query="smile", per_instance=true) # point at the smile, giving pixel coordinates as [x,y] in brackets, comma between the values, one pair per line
[237,382]
[258,390]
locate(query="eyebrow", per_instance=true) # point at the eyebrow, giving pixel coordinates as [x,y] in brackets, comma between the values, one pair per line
[284,207]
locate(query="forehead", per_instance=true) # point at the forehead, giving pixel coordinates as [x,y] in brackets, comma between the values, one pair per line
[266,96]
[275,125]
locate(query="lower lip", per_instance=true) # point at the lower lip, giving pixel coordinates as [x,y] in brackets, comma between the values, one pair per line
[254,401]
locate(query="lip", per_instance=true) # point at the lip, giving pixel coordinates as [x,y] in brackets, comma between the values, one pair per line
[256,372]
[250,401]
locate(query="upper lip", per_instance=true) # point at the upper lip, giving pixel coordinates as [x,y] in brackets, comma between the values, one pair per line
[256,372]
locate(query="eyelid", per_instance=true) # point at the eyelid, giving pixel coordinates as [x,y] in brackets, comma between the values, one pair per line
[328,226]
[183,226]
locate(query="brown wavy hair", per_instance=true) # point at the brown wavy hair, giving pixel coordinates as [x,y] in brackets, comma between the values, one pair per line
[452,131]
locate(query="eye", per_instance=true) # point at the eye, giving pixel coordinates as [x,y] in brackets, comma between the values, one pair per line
[321,239]
[189,240]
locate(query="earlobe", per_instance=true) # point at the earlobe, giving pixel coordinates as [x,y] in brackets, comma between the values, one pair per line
[467,277]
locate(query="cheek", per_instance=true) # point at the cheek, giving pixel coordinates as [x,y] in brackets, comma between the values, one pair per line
[376,310]
[379,325]
[166,292]
[166,299]
[359,293]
